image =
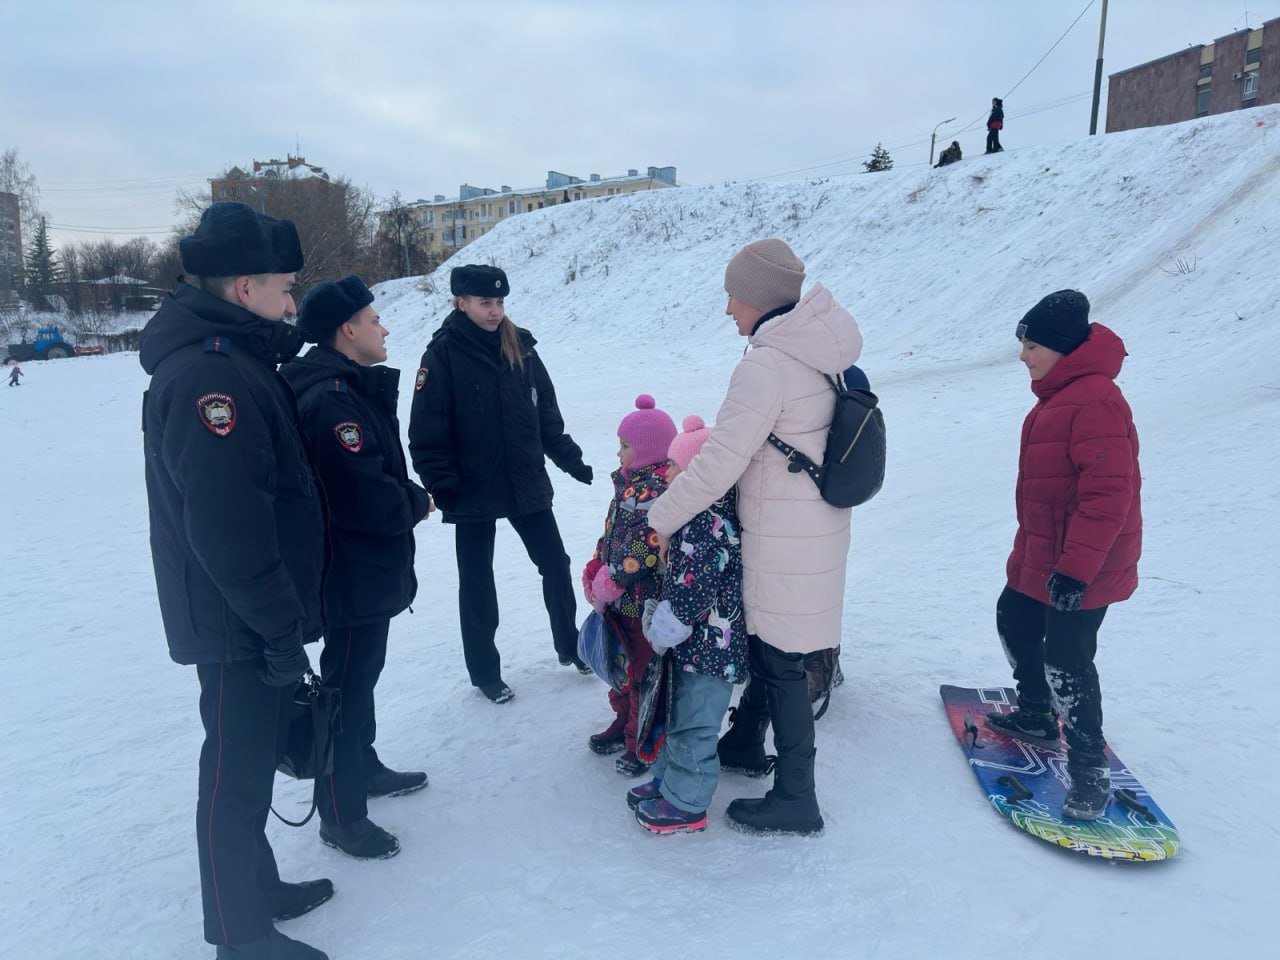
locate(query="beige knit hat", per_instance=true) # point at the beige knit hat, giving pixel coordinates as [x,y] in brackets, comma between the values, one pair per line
[765,274]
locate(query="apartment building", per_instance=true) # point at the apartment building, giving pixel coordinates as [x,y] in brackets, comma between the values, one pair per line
[446,224]
[1234,72]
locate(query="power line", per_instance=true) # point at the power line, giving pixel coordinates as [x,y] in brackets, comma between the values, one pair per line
[975,122]
[156,230]
[1038,108]
[75,184]
[1054,47]
[904,144]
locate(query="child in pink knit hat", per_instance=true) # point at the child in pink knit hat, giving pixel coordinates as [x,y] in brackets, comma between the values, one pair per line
[624,570]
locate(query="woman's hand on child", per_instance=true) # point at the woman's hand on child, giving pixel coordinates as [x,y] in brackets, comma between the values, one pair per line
[663,543]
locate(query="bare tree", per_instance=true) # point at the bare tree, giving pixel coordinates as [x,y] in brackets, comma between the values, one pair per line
[335,219]
[111,265]
[399,247]
[16,177]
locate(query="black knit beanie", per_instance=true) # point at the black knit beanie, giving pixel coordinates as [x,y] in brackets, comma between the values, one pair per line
[1060,321]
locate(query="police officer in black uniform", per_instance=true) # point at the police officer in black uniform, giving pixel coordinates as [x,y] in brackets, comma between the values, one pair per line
[348,408]
[238,543]
[484,420]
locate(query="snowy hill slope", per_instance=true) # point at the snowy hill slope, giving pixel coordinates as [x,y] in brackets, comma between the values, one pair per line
[522,846]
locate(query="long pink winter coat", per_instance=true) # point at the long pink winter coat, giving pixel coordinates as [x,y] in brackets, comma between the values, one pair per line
[794,544]
[1079,485]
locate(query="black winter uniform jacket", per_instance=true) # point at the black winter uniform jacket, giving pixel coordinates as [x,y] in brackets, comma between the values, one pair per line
[480,430]
[349,419]
[237,519]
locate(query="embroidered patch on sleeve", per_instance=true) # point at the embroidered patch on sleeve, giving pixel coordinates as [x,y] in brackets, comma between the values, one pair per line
[217,412]
[420,380]
[349,435]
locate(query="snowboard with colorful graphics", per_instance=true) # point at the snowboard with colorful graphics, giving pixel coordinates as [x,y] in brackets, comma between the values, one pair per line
[1027,783]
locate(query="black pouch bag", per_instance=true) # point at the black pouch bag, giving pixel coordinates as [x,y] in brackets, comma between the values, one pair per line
[308,749]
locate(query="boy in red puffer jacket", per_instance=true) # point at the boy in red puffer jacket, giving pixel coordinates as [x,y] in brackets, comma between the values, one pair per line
[1078,541]
[624,571]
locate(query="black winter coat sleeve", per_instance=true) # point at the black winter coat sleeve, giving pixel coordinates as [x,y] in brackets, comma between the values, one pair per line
[228,487]
[564,453]
[362,496]
[431,445]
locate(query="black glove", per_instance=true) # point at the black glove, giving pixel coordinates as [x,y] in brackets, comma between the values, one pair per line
[283,666]
[445,498]
[1065,593]
[582,473]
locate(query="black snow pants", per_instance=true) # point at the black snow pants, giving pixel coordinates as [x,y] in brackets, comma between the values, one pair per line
[1052,653]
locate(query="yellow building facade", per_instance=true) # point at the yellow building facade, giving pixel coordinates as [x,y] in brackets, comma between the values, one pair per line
[447,224]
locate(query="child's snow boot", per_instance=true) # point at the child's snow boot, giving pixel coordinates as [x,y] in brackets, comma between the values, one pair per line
[629,765]
[660,815]
[646,791]
[610,739]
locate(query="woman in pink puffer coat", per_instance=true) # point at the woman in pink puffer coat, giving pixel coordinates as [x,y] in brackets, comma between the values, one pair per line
[794,544]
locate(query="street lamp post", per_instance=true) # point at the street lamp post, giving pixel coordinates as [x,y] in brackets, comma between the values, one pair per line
[933,137]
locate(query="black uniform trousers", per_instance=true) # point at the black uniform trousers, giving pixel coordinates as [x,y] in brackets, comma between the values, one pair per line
[478,596]
[245,722]
[351,661]
[1052,653]
[779,688]
[993,141]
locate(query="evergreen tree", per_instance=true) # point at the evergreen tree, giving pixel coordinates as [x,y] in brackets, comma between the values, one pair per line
[880,160]
[43,270]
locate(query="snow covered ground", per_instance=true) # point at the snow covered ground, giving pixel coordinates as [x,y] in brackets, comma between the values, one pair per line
[522,846]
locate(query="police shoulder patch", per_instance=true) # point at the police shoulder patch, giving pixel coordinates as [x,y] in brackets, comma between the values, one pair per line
[420,380]
[349,435]
[217,412]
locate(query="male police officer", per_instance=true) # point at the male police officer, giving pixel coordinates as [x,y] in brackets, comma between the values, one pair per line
[238,543]
[347,405]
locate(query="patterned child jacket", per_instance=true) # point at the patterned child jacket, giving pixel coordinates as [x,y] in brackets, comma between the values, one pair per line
[704,587]
[629,548]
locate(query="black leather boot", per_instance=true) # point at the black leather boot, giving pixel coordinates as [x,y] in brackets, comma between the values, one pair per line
[741,749]
[792,805]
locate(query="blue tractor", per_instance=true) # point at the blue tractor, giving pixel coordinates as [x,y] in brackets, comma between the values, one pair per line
[48,345]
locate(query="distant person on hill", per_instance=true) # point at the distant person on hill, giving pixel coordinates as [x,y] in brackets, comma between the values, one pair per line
[15,373]
[995,123]
[794,544]
[1078,540]
[347,405]
[623,572]
[484,419]
[950,155]
[238,544]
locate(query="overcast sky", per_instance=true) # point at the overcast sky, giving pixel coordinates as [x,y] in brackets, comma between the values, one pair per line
[115,105]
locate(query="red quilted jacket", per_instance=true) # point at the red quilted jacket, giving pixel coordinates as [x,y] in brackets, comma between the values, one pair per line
[1078,479]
